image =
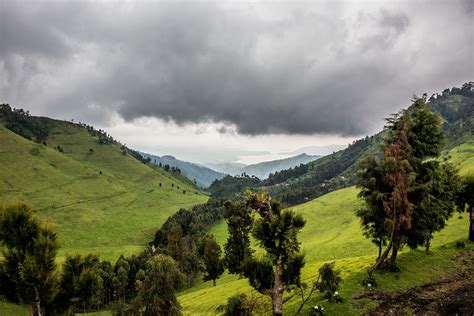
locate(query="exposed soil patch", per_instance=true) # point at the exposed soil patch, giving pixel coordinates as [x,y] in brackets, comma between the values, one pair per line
[451,295]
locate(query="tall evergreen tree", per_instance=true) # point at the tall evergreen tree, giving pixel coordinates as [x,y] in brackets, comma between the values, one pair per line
[157,290]
[212,260]
[239,224]
[276,231]
[30,253]
[408,195]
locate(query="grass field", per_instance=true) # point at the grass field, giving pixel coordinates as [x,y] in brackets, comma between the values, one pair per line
[98,200]
[332,233]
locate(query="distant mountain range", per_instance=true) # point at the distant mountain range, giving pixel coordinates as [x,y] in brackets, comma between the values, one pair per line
[263,169]
[203,176]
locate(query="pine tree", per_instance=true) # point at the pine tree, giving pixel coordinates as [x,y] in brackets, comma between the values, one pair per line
[239,223]
[276,231]
[212,260]
[30,255]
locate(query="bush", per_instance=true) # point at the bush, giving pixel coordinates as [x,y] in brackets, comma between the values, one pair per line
[329,280]
[460,244]
[237,306]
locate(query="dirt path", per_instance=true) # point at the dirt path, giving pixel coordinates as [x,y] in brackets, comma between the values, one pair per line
[451,295]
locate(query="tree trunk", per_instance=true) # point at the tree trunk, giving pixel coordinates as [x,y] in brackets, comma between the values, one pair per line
[471,224]
[428,242]
[380,248]
[396,246]
[277,292]
[213,282]
[36,306]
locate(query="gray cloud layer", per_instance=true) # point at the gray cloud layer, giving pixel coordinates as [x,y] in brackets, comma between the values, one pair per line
[310,67]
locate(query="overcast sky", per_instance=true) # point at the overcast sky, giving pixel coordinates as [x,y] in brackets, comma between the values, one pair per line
[231,80]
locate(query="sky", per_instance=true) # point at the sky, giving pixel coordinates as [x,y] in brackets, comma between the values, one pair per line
[246,81]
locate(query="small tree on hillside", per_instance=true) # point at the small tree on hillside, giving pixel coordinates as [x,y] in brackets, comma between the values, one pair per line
[465,201]
[157,288]
[212,260]
[276,231]
[239,223]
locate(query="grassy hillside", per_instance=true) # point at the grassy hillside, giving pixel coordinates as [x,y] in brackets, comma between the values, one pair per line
[97,198]
[332,233]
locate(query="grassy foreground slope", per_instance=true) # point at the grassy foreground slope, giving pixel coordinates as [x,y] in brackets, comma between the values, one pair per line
[332,233]
[97,198]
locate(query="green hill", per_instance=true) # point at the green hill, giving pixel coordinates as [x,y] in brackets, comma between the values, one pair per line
[332,233]
[98,198]
[335,171]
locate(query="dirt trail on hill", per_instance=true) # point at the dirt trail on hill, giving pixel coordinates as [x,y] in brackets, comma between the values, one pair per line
[451,295]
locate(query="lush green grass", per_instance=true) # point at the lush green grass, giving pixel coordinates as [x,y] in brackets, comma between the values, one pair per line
[332,233]
[99,201]
[462,156]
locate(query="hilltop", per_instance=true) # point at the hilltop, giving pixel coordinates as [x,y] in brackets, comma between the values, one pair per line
[91,188]
[202,175]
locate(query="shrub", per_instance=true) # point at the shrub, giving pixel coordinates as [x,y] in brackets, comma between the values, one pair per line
[329,280]
[460,244]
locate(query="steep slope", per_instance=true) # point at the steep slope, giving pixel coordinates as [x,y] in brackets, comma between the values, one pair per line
[335,171]
[98,198]
[202,175]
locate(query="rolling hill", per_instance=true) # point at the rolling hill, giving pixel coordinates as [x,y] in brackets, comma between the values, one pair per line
[202,175]
[99,197]
[337,170]
[332,233]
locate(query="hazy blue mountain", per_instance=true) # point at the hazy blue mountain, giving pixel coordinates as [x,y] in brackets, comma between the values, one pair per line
[263,169]
[203,175]
[232,168]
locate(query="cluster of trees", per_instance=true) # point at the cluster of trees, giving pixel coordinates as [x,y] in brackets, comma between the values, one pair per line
[184,236]
[22,123]
[408,193]
[140,284]
[169,168]
[232,188]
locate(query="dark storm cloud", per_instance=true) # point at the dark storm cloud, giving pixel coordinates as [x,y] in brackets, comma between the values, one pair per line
[315,67]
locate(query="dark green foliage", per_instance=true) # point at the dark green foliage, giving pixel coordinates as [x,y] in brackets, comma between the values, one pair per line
[183,234]
[239,223]
[81,286]
[408,195]
[238,306]
[260,274]
[329,280]
[156,288]
[22,123]
[465,201]
[233,188]
[276,232]
[214,265]
[29,268]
